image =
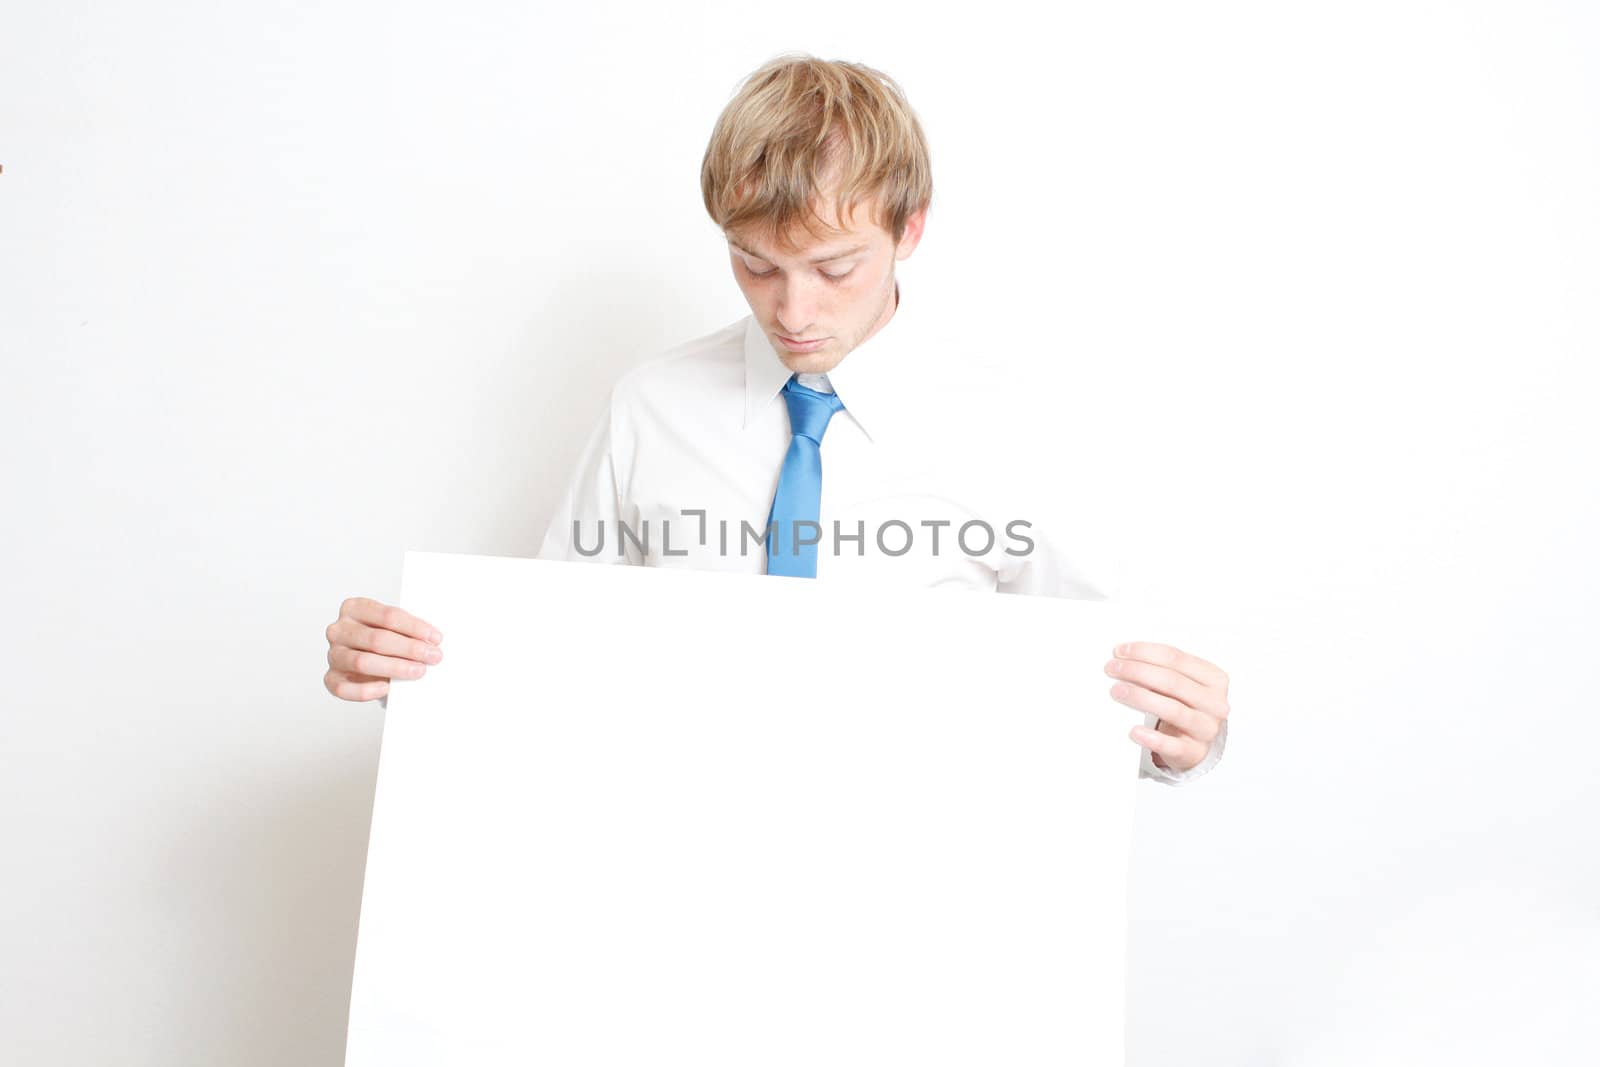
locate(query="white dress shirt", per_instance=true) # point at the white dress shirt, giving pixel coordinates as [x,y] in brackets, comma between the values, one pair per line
[688,452]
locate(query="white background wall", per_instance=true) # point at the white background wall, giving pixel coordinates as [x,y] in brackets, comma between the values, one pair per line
[288,288]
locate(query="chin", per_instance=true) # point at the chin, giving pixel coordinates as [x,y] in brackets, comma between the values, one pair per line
[821,361]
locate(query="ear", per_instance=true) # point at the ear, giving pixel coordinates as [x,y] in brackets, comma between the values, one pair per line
[913,233]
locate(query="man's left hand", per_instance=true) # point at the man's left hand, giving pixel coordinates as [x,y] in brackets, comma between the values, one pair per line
[1187,694]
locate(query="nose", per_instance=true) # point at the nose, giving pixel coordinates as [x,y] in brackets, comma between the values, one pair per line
[797,307]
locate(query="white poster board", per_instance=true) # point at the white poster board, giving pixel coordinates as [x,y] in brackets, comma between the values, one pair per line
[645,816]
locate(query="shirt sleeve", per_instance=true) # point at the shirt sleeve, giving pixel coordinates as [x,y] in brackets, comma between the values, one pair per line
[585,525]
[1084,568]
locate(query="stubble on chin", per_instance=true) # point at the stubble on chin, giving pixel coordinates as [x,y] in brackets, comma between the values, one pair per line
[819,362]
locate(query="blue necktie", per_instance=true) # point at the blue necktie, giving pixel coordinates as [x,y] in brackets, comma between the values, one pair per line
[799,495]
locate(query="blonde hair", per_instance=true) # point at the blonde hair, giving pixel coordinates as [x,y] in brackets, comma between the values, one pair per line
[800,124]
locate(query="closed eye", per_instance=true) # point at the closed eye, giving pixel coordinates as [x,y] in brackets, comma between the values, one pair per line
[770,271]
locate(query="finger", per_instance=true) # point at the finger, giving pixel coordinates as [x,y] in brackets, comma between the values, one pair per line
[382,616]
[353,634]
[347,686]
[1178,753]
[356,661]
[1180,716]
[1168,681]
[1202,671]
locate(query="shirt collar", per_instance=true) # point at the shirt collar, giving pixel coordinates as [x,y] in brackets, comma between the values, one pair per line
[863,379]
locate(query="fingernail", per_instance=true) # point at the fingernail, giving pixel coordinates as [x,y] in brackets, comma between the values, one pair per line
[435,636]
[1113,667]
[1123,650]
[432,655]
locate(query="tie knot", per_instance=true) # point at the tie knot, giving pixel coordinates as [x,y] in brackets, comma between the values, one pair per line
[809,410]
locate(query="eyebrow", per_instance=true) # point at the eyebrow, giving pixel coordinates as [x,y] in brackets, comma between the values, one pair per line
[830,257]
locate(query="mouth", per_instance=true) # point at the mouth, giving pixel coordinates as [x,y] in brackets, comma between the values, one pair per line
[801,346]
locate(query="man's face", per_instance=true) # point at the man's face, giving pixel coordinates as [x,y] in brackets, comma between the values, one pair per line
[817,302]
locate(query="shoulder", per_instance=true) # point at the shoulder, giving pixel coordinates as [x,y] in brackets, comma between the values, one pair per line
[694,370]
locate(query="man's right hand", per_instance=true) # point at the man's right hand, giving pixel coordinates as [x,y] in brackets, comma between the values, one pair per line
[370,643]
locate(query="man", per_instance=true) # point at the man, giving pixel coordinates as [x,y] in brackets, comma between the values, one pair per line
[712,455]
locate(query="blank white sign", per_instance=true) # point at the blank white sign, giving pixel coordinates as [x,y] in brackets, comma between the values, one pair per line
[644,816]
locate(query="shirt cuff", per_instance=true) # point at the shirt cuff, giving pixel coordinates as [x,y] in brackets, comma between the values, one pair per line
[1168,776]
